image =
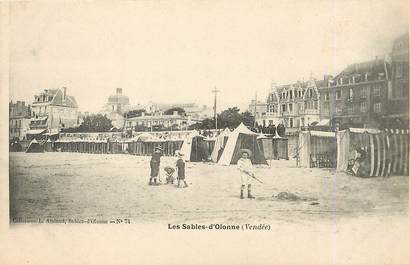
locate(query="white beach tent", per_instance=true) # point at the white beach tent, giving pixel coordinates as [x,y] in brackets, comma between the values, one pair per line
[242,138]
[187,145]
[220,142]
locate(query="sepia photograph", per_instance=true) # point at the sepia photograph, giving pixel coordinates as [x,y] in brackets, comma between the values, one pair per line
[259,117]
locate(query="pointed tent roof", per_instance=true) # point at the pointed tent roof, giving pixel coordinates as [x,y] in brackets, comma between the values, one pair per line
[225,132]
[243,129]
[229,150]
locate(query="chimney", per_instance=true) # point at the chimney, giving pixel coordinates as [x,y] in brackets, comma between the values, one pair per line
[119,91]
[64,92]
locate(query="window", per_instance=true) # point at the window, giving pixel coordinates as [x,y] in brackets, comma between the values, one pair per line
[377,107]
[399,70]
[300,106]
[291,94]
[283,107]
[350,93]
[361,93]
[326,107]
[338,94]
[290,107]
[290,122]
[363,107]
[350,109]
[376,91]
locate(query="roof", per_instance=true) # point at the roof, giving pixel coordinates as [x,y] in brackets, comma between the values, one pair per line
[371,68]
[243,129]
[58,94]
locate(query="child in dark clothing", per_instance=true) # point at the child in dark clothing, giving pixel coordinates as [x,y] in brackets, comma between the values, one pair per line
[154,164]
[181,170]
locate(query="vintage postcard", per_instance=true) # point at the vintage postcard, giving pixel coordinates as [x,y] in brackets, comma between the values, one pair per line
[205,132]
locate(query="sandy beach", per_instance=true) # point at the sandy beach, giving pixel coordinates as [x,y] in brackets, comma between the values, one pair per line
[106,187]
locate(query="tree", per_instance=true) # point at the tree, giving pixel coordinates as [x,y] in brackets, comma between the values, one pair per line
[230,117]
[170,111]
[95,123]
[248,119]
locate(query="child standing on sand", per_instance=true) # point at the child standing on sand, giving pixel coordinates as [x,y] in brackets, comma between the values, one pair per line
[154,164]
[181,170]
[246,171]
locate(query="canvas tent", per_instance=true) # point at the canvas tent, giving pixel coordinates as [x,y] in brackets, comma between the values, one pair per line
[280,147]
[48,146]
[35,147]
[317,149]
[242,138]
[266,144]
[385,153]
[220,143]
[194,148]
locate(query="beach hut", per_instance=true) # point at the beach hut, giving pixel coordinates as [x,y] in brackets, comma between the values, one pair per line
[49,146]
[171,145]
[209,144]
[382,153]
[317,149]
[153,143]
[280,147]
[266,144]
[219,145]
[35,147]
[194,148]
[242,138]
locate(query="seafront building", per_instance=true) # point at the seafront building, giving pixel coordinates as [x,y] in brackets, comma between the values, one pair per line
[397,112]
[357,97]
[52,110]
[19,120]
[117,105]
[293,105]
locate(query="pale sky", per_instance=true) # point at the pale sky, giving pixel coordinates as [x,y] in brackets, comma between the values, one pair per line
[178,51]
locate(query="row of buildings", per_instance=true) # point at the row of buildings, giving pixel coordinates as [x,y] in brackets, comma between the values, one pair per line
[367,94]
[53,110]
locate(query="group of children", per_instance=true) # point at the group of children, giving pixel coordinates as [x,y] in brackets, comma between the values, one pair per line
[169,171]
[244,166]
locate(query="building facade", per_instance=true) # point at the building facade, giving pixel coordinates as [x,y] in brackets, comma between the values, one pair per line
[357,97]
[397,113]
[19,120]
[159,121]
[294,105]
[52,110]
[258,110]
[116,106]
